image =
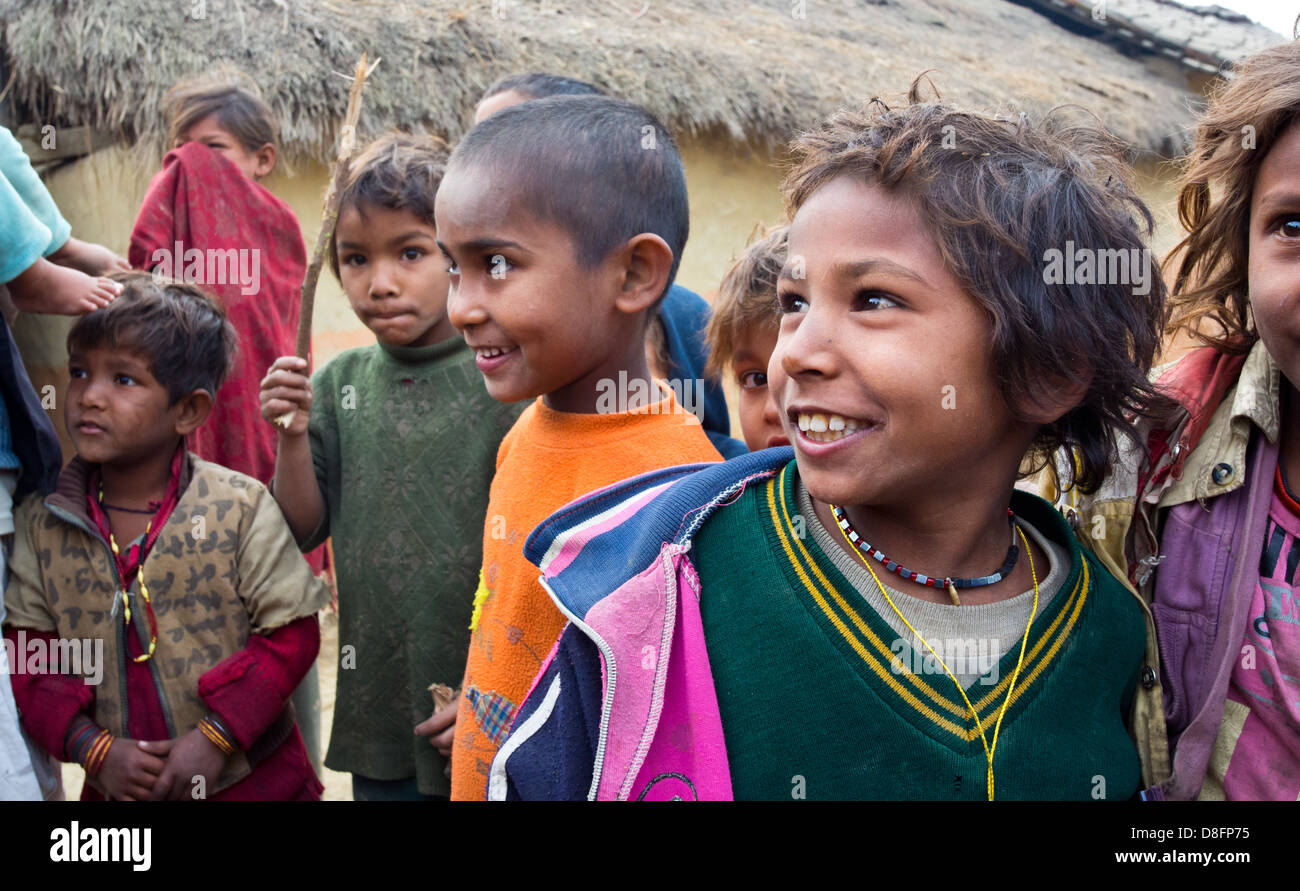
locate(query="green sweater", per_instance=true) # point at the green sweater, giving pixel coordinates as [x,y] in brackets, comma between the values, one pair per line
[404,440]
[816,702]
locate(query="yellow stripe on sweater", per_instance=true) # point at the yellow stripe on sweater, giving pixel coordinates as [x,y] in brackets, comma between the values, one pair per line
[1072,608]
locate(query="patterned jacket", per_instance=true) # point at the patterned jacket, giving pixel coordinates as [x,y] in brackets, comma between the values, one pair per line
[224,566]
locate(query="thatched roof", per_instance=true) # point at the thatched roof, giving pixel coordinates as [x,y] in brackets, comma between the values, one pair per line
[1206,37]
[754,71]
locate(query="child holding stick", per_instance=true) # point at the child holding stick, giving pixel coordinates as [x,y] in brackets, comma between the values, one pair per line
[391,449]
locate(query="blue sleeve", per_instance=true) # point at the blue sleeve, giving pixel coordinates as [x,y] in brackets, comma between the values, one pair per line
[550,752]
[23,238]
[24,181]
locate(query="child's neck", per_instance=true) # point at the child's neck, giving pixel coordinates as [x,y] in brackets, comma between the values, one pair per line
[137,484]
[622,384]
[959,537]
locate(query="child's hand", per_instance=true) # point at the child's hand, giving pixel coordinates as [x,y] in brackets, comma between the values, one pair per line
[286,388]
[129,770]
[440,728]
[188,756]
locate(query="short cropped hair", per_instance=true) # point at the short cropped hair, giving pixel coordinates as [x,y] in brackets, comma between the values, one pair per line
[999,196]
[603,169]
[746,299]
[539,85]
[230,95]
[177,327]
[397,171]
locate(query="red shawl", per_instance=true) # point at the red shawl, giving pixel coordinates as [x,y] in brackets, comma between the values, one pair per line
[204,221]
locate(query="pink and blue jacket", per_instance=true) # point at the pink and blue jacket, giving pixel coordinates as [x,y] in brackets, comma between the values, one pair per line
[624,707]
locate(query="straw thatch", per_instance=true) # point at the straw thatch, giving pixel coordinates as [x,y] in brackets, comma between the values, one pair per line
[754,71]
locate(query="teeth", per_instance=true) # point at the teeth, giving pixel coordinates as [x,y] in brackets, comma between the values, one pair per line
[491,352]
[821,427]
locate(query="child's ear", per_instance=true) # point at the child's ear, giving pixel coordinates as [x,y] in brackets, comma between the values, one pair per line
[194,410]
[1056,397]
[265,161]
[645,261]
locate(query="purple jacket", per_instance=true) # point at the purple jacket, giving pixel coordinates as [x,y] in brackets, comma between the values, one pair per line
[1186,534]
[624,707]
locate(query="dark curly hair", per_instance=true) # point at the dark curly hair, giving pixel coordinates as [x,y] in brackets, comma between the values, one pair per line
[1002,195]
[178,327]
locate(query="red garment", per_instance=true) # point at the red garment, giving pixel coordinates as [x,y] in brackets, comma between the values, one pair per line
[201,202]
[246,690]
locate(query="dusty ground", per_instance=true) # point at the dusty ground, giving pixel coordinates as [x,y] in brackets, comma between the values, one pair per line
[338,786]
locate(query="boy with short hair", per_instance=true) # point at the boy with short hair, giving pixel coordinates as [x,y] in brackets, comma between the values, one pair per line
[742,335]
[564,220]
[675,347]
[395,464]
[184,570]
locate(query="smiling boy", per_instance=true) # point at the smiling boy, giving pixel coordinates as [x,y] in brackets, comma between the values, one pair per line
[564,220]
[184,569]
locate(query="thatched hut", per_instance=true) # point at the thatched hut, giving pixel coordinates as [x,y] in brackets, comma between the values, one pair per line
[733,79]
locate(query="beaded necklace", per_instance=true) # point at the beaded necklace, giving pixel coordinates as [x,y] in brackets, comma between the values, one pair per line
[989,750]
[952,584]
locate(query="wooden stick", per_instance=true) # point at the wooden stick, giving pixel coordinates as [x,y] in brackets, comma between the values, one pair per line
[329,216]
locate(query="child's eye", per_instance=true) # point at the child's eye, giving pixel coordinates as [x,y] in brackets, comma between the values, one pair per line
[791,302]
[752,380]
[354,260]
[452,269]
[498,266]
[75,372]
[125,380]
[1289,227]
[412,253]
[872,300]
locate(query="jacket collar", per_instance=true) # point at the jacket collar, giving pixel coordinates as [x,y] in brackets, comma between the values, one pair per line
[69,495]
[590,547]
[1216,462]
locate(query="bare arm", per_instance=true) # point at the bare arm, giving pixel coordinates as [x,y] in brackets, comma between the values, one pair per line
[286,388]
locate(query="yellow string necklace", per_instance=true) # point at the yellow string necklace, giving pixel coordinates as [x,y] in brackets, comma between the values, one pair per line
[989,750]
[144,591]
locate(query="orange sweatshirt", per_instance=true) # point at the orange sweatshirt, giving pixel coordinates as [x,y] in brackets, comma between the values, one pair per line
[548,459]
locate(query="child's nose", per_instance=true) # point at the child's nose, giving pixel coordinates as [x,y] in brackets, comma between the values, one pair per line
[383,280]
[464,308]
[810,347]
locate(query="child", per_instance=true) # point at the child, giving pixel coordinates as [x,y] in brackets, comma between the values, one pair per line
[922,352]
[742,335]
[1209,534]
[207,220]
[564,220]
[179,577]
[395,464]
[675,347]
